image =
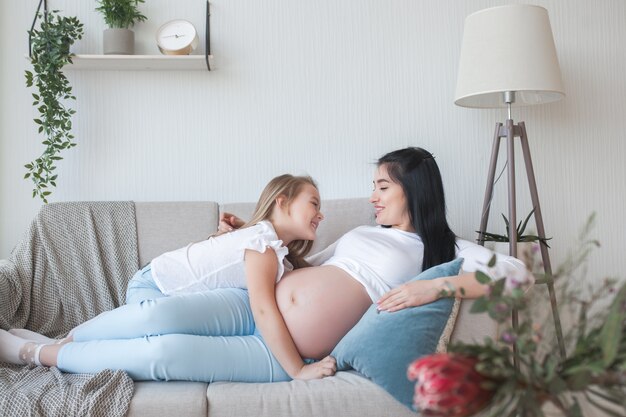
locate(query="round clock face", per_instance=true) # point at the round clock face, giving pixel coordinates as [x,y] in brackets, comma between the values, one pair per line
[177,37]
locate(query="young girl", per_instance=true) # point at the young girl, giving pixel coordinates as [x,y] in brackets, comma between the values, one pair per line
[178,300]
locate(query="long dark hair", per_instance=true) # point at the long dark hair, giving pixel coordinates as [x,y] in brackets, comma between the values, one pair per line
[417,172]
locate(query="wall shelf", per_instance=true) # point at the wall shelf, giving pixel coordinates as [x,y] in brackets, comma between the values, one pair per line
[139,62]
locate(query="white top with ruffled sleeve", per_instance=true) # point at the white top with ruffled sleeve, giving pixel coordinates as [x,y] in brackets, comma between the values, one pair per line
[217,262]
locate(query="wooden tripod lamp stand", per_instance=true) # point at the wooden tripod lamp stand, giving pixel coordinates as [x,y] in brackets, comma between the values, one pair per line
[508,58]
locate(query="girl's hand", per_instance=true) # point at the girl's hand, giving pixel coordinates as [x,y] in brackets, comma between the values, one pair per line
[411,294]
[229,222]
[325,367]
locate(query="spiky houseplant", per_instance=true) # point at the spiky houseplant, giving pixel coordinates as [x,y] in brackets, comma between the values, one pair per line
[50,51]
[520,232]
[120,14]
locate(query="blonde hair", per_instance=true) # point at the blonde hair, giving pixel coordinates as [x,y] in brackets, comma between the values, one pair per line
[287,186]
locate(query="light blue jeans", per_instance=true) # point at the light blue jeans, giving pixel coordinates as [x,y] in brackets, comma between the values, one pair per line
[208,336]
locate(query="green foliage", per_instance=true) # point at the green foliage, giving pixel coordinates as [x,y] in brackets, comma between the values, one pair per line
[521,237]
[595,367]
[121,14]
[50,52]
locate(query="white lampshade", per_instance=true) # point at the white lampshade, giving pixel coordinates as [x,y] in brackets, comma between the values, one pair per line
[508,48]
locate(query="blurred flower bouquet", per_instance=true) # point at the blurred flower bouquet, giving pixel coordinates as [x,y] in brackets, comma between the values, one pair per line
[481,379]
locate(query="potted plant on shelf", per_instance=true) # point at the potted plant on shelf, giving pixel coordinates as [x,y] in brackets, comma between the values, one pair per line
[119,15]
[50,51]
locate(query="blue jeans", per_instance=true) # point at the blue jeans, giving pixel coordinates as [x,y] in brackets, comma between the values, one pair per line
[208,336]
[142,287]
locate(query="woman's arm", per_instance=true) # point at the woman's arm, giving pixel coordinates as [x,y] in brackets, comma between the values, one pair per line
[261,269]
[417,293]
[464,285]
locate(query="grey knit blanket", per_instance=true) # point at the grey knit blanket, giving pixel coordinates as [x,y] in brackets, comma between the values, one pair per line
[73,263]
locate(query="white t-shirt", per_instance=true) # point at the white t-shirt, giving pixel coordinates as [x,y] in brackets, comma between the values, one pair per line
[383,258]
[379,258]
[217,262]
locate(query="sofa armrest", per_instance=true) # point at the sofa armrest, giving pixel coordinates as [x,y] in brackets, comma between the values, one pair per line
[470,327]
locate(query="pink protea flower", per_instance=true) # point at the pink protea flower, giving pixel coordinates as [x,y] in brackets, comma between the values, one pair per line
[448,385]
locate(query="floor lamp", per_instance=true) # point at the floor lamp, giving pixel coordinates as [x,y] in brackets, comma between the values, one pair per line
[508,58]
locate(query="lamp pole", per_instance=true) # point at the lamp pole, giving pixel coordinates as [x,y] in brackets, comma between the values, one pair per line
[511,131]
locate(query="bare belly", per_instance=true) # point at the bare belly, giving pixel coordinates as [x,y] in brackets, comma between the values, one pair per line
[320,305]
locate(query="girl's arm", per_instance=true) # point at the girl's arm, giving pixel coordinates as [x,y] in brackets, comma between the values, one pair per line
[465,285]
[261,269]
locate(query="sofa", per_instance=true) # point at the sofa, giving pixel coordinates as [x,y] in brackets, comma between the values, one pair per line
[163,226]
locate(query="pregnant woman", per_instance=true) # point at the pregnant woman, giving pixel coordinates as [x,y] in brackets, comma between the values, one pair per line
[372,264]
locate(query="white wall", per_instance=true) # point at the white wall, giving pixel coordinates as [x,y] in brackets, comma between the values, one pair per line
[324,88]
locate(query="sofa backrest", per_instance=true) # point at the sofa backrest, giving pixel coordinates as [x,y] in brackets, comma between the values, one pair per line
[164,226]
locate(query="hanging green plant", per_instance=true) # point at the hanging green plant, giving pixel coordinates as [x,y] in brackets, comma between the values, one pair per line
[50,51]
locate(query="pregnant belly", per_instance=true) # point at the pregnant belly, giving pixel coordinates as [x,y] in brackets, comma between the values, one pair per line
[320,305]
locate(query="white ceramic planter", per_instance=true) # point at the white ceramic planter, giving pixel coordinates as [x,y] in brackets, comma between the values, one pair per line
[118,42]
[524,250]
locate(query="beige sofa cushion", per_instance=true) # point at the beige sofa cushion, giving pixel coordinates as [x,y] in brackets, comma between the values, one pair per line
[470,327]
[168,399]
[347,394]
[166,226]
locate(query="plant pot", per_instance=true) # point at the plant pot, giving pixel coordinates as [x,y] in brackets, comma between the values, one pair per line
[525,250]
[118,42]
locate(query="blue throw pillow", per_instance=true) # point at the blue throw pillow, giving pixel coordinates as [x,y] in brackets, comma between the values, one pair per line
[381,346]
